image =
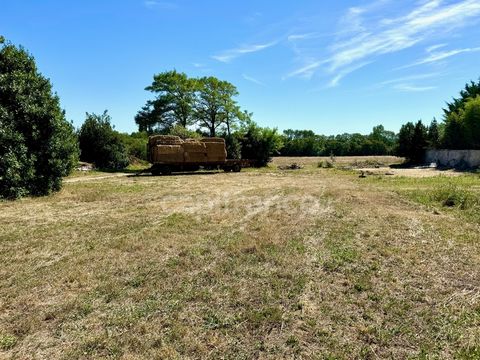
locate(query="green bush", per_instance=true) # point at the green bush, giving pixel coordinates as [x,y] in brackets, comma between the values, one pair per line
[260,144]
[135,144]
[38,145]
[234,148]
[100,144]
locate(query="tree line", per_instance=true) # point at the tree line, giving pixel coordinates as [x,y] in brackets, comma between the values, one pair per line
[180,105]
[459,130]
[307,143]
[38,146]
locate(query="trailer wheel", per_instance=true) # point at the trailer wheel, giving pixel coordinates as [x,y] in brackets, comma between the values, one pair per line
[236,168]
[166,170]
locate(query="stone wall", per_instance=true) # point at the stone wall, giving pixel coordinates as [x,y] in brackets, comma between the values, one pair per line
[454,158]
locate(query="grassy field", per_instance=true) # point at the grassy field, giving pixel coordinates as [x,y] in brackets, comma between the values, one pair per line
[314,263]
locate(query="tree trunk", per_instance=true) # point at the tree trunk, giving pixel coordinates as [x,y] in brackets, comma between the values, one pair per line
[183,122]
[213,118]
[227,122]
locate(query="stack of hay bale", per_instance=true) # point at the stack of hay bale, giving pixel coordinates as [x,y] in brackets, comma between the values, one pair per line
[215,148]
[195,151]
[172,149]
[167,149]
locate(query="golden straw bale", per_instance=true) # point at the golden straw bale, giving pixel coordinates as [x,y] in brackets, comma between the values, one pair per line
[169,149]
[164,140]
[195,157]
[169,158]
[194,147]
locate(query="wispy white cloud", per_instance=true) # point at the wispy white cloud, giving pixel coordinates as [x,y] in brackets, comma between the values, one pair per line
[409,79]
[434,47]
[253,80]
[442,55]
[344,72]
[352,21]
[306,71]
[410,83]
[252,18]
[157,4]
[413,88]
[365,36]
[201,67]
[232,54]
[404,32]
[296,37]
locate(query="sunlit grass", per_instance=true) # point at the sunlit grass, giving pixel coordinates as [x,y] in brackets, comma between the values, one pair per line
[262,263]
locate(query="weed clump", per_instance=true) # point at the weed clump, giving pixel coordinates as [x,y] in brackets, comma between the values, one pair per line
[7,341]
[454,196]
[327,164]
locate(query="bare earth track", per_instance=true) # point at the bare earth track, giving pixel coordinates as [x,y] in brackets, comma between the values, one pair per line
[95,178]
[267,264]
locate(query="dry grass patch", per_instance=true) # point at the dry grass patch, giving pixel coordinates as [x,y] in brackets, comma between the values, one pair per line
[342,161]
[261,264]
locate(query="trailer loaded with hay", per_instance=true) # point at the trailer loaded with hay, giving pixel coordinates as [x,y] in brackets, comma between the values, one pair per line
[169,154]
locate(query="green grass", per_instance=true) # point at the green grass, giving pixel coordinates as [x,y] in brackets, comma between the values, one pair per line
[459,195]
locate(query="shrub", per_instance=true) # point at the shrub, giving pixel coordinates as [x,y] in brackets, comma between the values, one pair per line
[37,145]
[327,164]
[259,143]
[135,144]
[100,144]
[234,148]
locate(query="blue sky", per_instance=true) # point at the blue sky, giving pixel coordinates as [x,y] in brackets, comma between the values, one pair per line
[330,66]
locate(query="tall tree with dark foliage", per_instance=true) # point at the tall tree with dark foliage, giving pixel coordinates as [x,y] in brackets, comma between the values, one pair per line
[38,145]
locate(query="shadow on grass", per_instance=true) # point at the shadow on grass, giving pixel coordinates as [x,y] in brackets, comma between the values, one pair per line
[404,165]
[184,173]
[123,171]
